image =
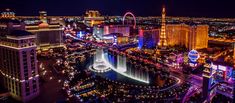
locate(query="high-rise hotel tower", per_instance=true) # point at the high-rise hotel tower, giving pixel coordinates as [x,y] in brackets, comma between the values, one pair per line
[18,64]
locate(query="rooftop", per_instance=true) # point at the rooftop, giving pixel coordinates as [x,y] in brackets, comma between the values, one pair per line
[18,33]
[114,34]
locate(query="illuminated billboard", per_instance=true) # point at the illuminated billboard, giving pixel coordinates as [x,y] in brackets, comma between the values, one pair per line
[193,55]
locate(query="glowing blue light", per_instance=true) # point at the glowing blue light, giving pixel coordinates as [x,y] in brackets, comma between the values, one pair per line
[80,34]
[193,55]
[140,42]
[124,74]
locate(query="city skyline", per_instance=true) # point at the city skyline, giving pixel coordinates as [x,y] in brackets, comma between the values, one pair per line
[107,51]
[182,8]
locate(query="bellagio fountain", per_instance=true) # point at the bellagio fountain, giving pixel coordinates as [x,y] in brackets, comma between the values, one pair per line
[104,62]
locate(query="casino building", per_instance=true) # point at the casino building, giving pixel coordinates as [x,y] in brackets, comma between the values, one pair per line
[148,38]
[93,17]
[18,64]
[125,30]
[48,35]
[7,14]
[18,60]
[115,39]
[116,34]
[190,36]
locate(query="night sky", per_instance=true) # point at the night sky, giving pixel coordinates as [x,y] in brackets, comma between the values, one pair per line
[189,8]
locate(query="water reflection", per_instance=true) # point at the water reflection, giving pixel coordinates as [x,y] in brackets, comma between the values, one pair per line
[119,65]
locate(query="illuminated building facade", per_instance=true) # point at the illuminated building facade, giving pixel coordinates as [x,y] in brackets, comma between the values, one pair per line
[163,41]
[48,35]
[43,16]
[223,72]
[122,40]
[177,34]
[98,31]
[141,39]
[148,38]
[18,64]
[93,13]
[115,39]
[208,81]
[8,14]
[106,29]
[93,17]
[125,30]
[198,38]
[191,37]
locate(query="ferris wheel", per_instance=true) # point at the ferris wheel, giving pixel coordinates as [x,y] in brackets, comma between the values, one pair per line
[133,16]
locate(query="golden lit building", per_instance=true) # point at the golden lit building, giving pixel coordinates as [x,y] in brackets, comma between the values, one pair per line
[122,40]
[177,34]
[43,16]
[192,37]
[198,38]
[48,35]
[92,13]
[8,14]
[93,17]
